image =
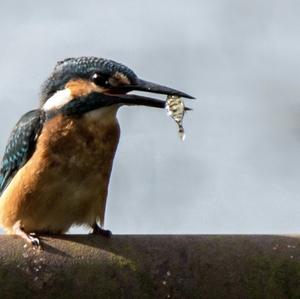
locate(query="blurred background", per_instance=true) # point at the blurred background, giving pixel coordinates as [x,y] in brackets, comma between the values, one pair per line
[238,171]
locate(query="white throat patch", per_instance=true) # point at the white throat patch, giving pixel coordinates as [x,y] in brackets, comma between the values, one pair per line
[59,99]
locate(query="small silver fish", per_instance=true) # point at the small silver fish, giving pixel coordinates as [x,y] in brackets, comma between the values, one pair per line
[175,107]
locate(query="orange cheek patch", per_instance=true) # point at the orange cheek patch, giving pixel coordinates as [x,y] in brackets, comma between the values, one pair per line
[82,87]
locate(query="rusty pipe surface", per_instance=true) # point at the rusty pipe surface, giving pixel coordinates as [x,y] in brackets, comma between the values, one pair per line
[151,266]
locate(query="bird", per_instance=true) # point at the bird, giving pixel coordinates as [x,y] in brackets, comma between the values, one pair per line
[58,159]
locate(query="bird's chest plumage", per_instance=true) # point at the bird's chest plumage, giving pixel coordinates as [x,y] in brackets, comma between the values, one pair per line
[65,182]
[79,146]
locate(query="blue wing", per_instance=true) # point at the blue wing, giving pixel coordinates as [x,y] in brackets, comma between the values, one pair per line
[20,145]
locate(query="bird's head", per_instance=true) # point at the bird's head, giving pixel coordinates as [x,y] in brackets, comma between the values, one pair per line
[79,85]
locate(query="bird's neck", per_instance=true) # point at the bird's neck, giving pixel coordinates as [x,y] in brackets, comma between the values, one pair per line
[103,115]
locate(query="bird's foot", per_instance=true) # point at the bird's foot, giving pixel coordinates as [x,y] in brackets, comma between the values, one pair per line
[97,230]
[30,238]
[35,241]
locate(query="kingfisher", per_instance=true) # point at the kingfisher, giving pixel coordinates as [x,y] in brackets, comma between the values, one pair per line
[57,163]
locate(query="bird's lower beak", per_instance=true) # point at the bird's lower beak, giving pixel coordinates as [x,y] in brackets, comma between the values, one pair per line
[142,85]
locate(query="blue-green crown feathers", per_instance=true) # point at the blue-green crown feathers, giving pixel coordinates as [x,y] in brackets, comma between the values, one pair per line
[81,67]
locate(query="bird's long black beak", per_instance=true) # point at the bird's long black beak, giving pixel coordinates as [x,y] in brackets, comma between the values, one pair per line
[142,85]
[147,86]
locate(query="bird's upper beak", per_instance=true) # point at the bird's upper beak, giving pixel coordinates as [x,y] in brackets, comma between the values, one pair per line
[142,85]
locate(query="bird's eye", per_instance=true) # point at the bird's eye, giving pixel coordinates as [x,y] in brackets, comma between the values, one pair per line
[100,80]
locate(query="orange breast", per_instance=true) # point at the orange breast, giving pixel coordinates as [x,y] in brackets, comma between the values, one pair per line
[66,180]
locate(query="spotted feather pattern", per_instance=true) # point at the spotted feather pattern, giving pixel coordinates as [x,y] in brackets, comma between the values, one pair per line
[20,145]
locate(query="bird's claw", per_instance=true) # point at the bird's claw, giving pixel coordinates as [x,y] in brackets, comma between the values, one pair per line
[28,237]
[34,241]
[103,232]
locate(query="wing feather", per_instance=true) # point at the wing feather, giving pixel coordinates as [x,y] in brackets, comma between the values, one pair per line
[20,145]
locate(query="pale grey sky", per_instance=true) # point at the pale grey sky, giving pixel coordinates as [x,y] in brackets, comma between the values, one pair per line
[238,170]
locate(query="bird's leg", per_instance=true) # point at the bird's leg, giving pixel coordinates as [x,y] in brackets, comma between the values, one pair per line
[19,231]
[97,230]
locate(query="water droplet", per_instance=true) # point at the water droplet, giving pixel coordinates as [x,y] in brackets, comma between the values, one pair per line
[181,133]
